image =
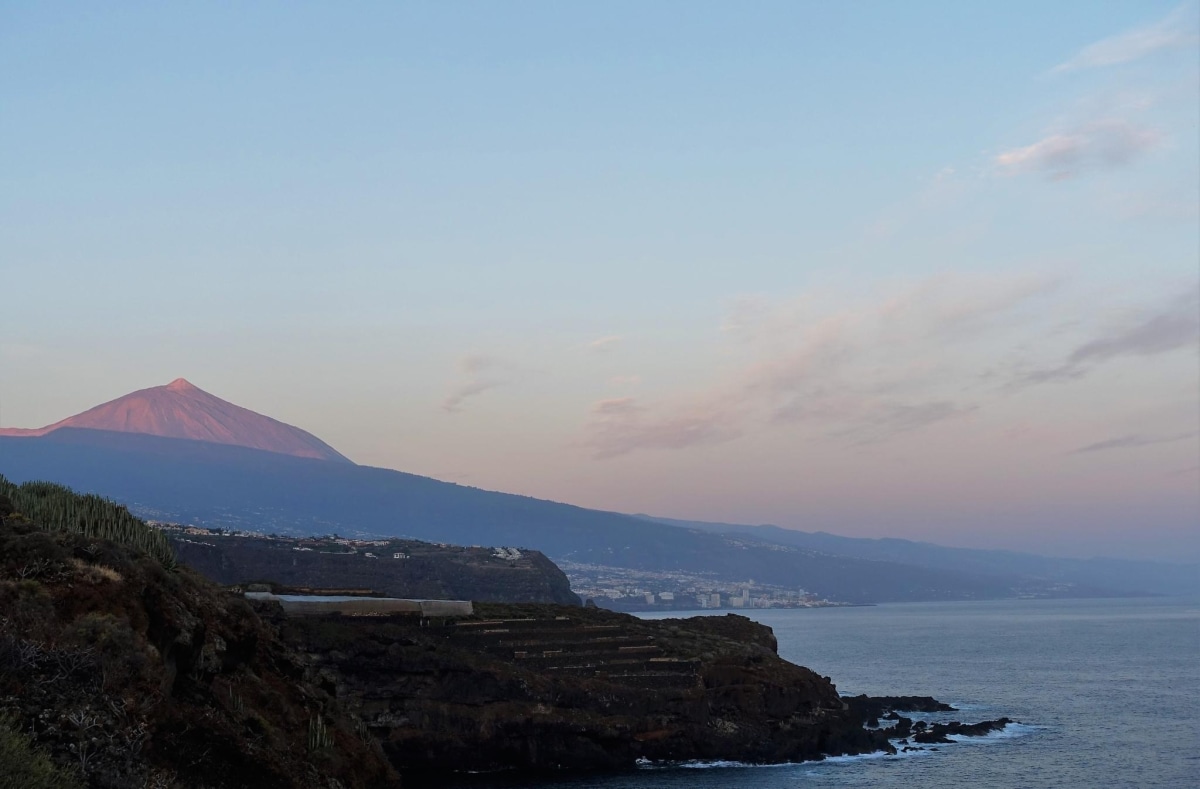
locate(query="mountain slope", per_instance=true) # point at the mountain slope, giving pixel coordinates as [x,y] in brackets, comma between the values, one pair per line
[1120,574]
[181,410]
[220,485]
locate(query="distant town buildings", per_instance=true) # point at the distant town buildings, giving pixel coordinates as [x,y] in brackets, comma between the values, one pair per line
[646,590]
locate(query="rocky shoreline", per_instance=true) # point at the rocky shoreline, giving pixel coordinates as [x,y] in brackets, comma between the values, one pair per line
[539,689]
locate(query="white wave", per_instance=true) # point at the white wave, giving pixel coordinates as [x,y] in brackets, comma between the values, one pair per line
[647,764]
[700,764]
[1011,731]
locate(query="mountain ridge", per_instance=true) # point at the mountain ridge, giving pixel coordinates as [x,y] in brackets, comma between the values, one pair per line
[182,410]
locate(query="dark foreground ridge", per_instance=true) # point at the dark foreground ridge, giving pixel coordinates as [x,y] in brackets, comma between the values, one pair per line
[119,669]
[123,672]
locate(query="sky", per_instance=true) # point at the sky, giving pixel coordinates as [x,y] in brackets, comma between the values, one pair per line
[926,270]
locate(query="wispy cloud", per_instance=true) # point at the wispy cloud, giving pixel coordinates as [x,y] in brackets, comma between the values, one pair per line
[1174,326]
[479,374]
[1177,29]
[604,344]
[877,420]
[1132,441]
[622,425]
[1061,155]
[855,375]
[454,401]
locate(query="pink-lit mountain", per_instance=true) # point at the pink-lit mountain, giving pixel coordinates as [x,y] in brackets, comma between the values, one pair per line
[181,410]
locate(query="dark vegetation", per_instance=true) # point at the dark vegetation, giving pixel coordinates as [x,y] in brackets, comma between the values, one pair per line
[25,766]
[118,669]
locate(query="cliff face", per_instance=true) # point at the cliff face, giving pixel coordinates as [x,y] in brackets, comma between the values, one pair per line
[425,570]
[540,688]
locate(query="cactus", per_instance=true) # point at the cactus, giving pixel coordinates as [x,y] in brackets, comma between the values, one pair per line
[235,702]
[319,737]
[58,508]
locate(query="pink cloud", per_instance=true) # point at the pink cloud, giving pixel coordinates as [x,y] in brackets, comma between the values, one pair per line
[1108,143]
[604,344]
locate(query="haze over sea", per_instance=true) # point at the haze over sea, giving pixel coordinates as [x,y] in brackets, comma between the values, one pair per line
[1107,693]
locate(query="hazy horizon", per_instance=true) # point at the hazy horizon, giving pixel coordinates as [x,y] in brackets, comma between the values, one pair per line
[833,268]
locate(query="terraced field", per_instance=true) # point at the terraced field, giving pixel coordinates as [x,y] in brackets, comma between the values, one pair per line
[562,645]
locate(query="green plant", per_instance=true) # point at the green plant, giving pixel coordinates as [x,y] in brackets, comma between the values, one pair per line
[25,765]
[58,508]
[109,641]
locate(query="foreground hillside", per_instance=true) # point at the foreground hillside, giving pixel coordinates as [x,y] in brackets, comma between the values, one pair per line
[125,673]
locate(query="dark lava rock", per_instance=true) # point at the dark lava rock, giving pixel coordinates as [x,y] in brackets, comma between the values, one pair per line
[886,706]
[937,733]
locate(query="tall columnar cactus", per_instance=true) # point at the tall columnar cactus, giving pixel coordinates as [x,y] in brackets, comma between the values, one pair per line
[319,737]
[57,507]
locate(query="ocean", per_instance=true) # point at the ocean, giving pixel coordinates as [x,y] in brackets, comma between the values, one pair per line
[1107,693]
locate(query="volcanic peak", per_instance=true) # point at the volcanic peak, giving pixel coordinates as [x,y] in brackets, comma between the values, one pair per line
[182,410]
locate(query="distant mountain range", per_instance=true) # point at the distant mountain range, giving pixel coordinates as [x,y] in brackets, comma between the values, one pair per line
[252,472]
[1124,574]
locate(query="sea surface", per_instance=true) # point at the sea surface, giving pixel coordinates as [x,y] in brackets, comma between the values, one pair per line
[1107,693]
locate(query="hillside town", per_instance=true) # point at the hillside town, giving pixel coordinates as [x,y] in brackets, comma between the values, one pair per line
[622,589]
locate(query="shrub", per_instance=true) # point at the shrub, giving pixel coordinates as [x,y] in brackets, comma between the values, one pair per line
[26,766]
[113,641]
